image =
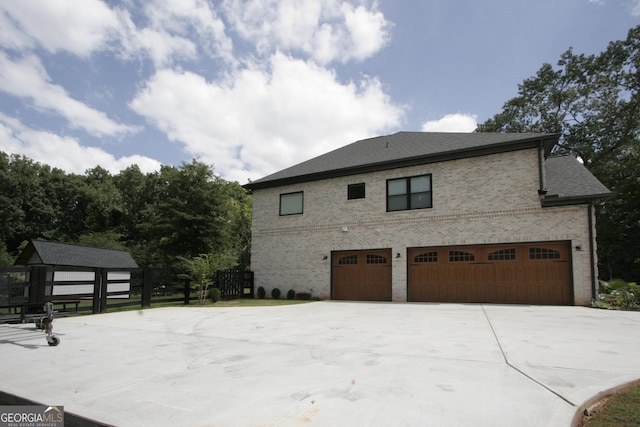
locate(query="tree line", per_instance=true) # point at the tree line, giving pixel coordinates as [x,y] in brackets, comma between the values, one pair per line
[593,102]
[161,218]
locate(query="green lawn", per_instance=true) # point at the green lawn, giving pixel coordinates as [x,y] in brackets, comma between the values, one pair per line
[620,410]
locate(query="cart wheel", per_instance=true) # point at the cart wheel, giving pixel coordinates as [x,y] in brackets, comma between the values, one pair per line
[53,340]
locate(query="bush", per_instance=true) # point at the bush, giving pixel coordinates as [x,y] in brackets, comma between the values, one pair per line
[303,295]
[291,294]
[618,294]
[275,293]
[261,292]
[215,295]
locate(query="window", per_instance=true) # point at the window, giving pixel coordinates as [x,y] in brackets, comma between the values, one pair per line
[348,260]
[409,193]
[376,259]
[503,255]
[426,257]
[355,191]
[459,256]
[543,253]
[291,203]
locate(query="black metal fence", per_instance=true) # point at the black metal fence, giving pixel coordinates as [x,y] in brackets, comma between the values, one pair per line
[24,290]
[234,284]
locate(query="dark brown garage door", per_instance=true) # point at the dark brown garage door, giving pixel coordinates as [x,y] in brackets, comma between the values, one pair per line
[537,273]
[361,275]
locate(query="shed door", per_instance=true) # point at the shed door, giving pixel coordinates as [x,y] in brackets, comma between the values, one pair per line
[361,275]
[537,273]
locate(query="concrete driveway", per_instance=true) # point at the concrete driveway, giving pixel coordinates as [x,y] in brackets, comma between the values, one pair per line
[327,364]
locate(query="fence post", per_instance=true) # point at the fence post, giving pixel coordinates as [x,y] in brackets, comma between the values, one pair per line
[146,287]
[97,277]
[187,291]
[104,289]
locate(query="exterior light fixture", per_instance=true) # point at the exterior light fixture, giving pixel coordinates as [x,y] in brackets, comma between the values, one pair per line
[344,229]
[398,255]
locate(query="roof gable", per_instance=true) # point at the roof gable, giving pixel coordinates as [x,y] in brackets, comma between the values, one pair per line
[403,149]
[54,253]
[569,182]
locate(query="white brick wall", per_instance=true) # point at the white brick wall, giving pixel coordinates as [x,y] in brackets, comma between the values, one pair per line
[488,199]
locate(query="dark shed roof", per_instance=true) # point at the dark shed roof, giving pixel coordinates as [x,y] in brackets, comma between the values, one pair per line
[40,252]
[403,149]
[569,182]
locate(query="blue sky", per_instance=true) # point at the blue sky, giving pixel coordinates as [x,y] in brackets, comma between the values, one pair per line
[254,86]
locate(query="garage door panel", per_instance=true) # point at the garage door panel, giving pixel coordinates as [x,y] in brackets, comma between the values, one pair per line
[511,273]
[361,275]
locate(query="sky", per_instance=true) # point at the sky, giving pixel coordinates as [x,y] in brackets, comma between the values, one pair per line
[251,87]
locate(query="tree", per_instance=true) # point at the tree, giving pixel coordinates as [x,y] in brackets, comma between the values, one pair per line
[202,268]
[158,217]
[593,102]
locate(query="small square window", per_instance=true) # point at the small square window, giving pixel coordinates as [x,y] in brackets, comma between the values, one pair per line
[291,203]
[355,191]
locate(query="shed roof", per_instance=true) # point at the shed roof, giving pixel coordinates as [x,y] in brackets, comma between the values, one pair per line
[40,252]
[569,182]
[403,149]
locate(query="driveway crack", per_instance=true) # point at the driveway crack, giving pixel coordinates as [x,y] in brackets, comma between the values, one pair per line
[520,371]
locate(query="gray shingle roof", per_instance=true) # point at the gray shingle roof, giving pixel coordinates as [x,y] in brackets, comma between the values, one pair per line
[54,253]
[569,182]
[400,150]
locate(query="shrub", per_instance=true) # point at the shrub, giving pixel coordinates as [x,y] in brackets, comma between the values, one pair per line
[618,294]
[215,295]
[291,294]
[275,293]
[261,292]
[303,295]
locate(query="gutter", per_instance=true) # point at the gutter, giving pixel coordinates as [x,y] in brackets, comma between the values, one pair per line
[592,253]
[541,172]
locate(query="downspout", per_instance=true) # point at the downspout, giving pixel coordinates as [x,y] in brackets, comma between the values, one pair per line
[543,184]
[592,253]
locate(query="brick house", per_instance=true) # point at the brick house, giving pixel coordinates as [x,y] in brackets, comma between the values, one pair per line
[437,217]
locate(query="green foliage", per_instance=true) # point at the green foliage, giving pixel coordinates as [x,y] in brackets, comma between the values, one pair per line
[261,292]
[160,217]
[593,102]
[291,294]
[6,260]
[275,293]
[202,268]
[618,294]
[215,295]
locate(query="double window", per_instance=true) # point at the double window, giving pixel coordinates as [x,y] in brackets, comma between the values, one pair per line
[409,193]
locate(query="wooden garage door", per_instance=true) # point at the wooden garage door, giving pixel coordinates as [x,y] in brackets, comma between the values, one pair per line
[361,275]
[537,273]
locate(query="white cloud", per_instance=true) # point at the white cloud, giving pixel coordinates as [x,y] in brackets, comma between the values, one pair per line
[63,152]
[325,30]
[27,78]
[84,27]
[189,17]
[262,120]
[78,26]
[635,7]
[452,123]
